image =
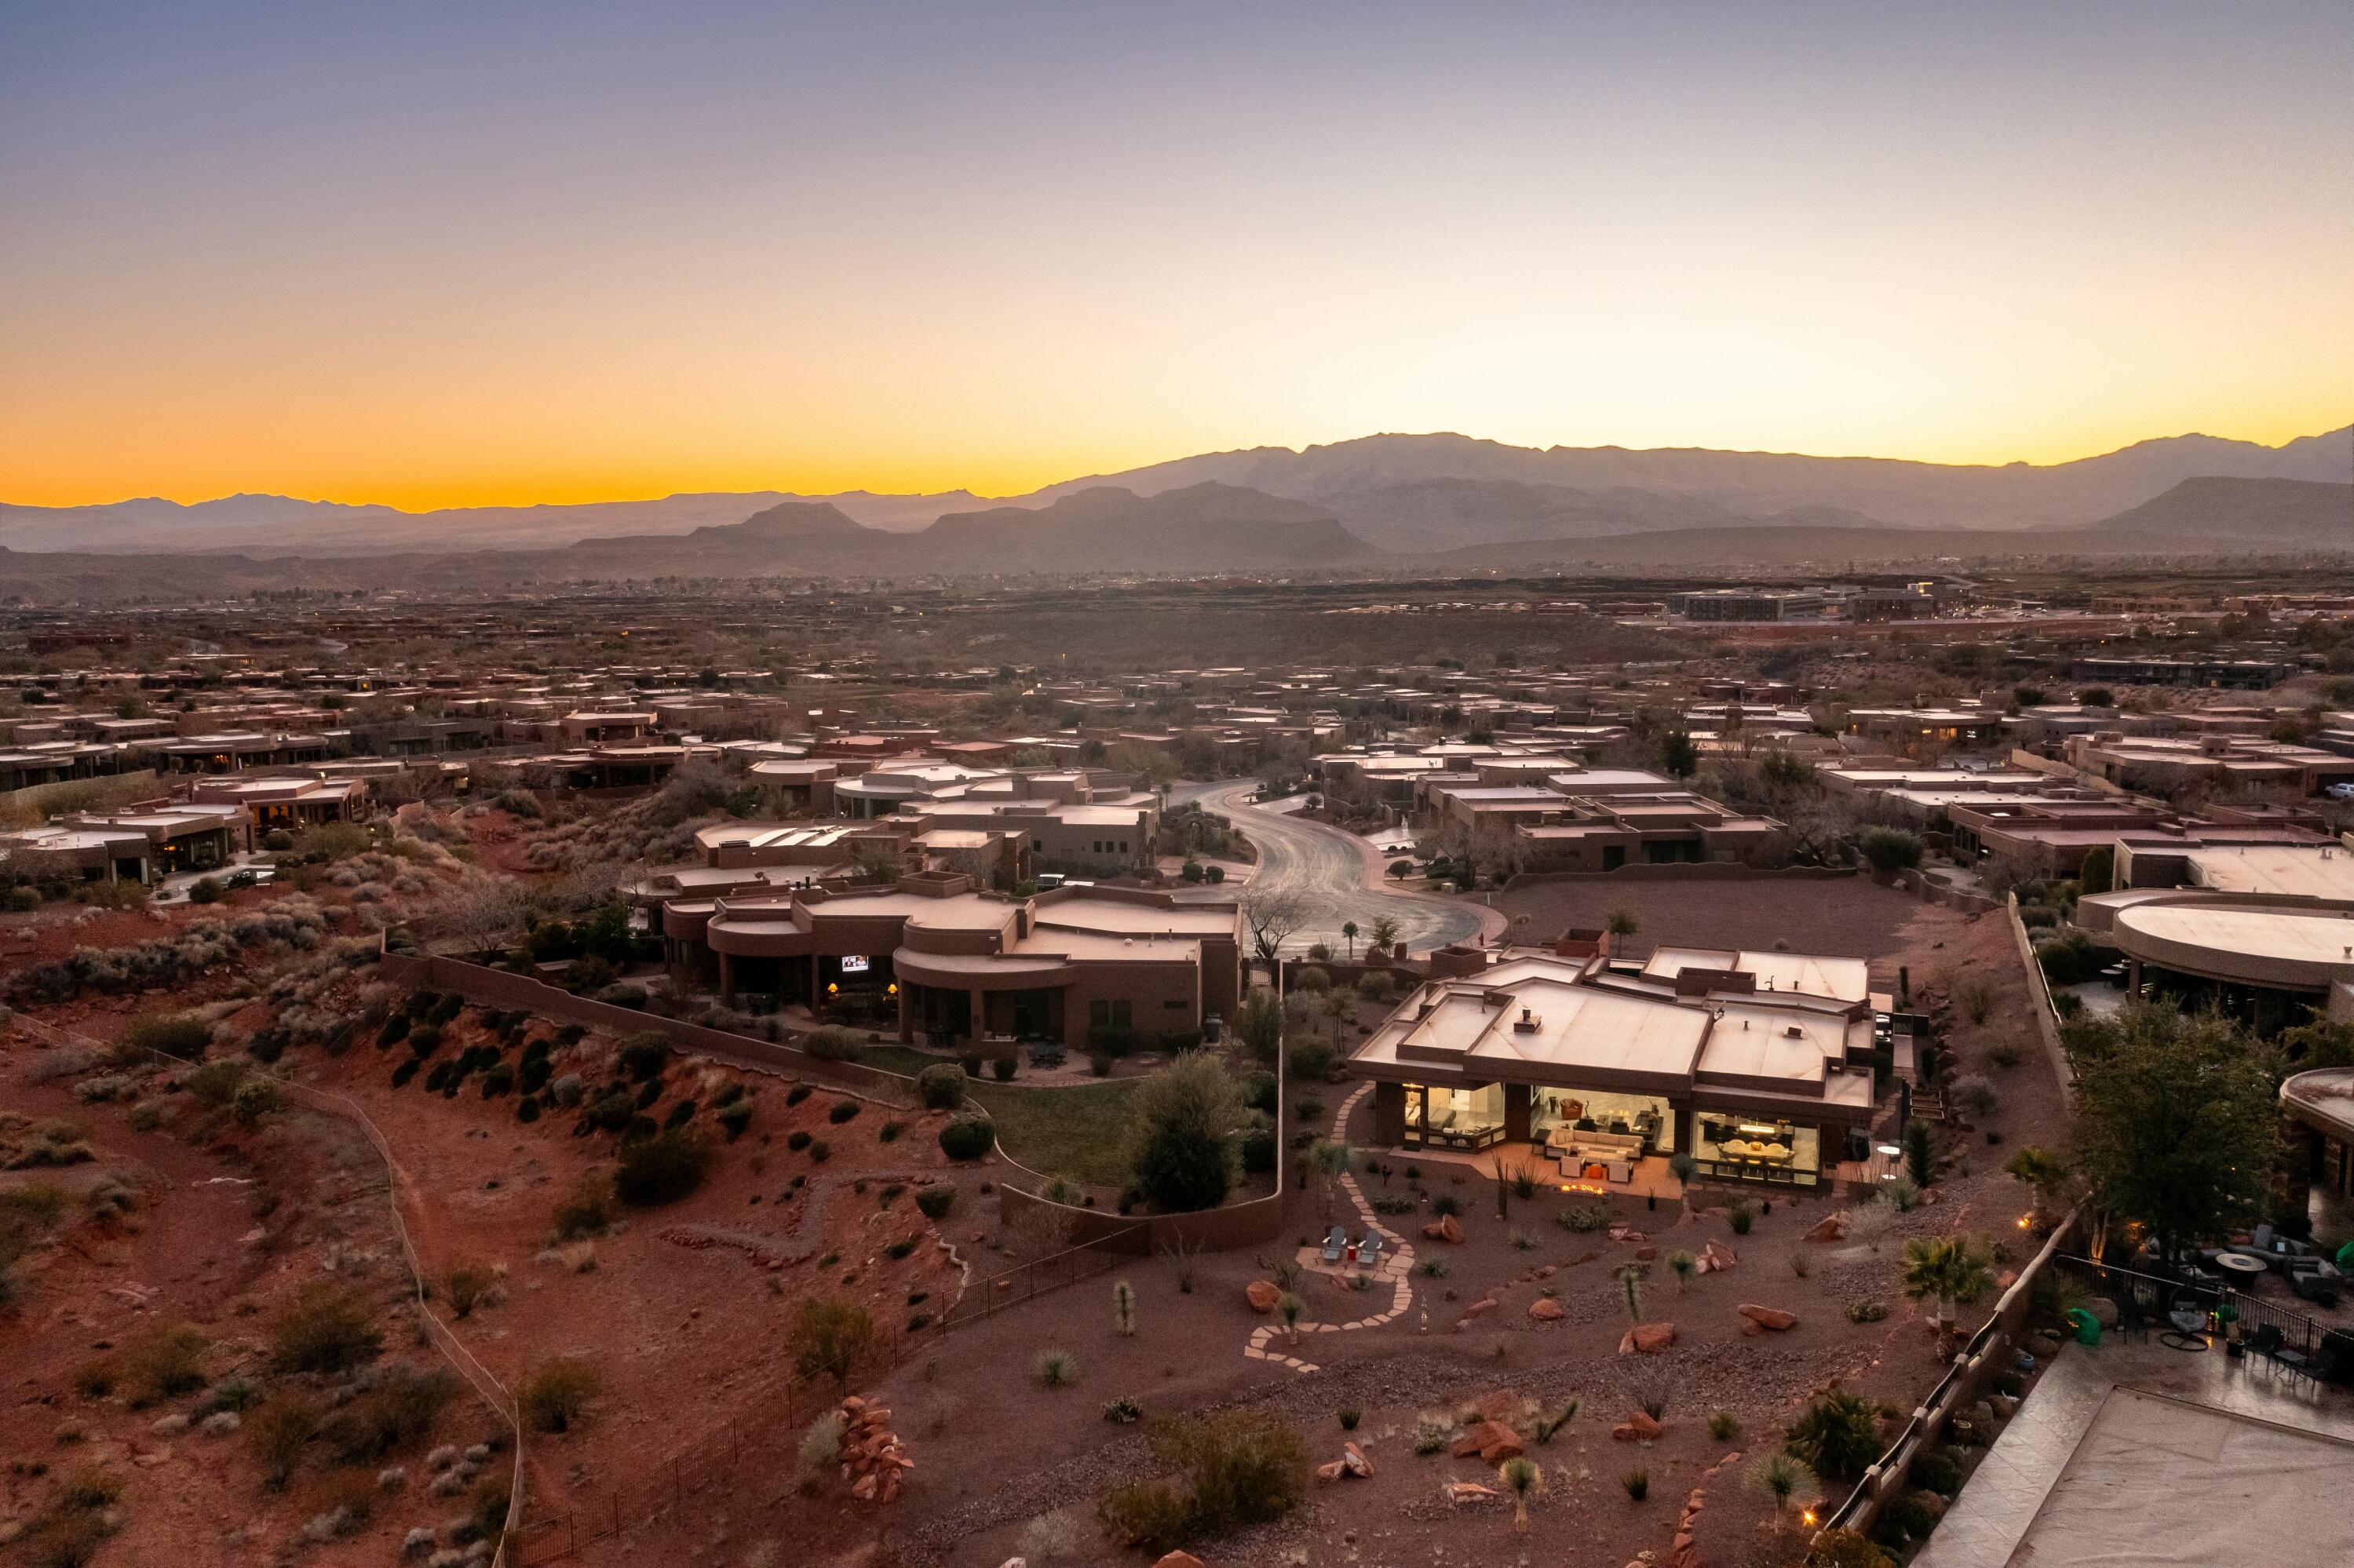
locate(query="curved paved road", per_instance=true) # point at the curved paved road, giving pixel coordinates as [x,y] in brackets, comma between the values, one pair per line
[1337,878]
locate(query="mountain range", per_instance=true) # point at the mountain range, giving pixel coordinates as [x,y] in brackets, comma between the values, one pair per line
[1439,503]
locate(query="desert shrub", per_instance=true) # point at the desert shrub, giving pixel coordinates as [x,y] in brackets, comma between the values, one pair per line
[1123,1411]
[842,1111]
[1239,1467]
[1054,1369]
[829,1337]
[1002,1068]
[182,1035]
[1938,1471]
[384,1419]
[643,1055]
[832,1042]
[1258,1151]
[278,1432]
[164,1362]
[1579,1219]
[797,1140]
[1312,1061]
[498,1081]
[1723,1426]
[528,1108]
[1848,1549]
[1740,1216]
[734,1118]
[1637,1483]
[936,1200]
[968,1137]
[557,1393]
[323,1330]
[1908,1517]
[680,1115]
[585,1210]
[1973,1095]
[941,1085]
[610,1110]
[424,1039]
[465,1286]
[1889,849]
[1864,1309]
[256,1099]
[567,1090]
[662,1169]
[204,890]
[1311,979]
[1837,1436]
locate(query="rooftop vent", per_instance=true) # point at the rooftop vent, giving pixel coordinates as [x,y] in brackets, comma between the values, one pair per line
[1527,1024]
[1794,1032]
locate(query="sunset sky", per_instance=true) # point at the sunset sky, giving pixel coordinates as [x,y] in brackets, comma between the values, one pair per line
[435,255]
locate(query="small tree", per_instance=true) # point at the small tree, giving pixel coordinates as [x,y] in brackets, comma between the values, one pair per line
[829,1337]
[1328,1160]
[1348,930]
[2178,1119]
[1184,1131]
[1261,1025]
[2045,1174]
[2099,871]
[1385,932]
[1889,849]
[557,1393]
[1623,921]
[1948,1271]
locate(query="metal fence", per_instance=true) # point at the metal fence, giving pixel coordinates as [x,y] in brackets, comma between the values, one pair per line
[2148,1301]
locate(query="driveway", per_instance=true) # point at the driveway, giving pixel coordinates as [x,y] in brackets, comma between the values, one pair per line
[1336,876]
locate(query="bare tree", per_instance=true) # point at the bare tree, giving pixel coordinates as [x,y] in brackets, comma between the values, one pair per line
[1273,918]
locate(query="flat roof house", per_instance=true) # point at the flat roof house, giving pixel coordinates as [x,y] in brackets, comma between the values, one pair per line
[1078,966]
[1758,1064]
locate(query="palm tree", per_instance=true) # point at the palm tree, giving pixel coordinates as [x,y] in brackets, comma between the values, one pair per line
[1946,1270]
[1521,1478]
[1328,1158]
[1349,929]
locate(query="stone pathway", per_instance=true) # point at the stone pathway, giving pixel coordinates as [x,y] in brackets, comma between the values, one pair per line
[770,1250]
[1270,1342]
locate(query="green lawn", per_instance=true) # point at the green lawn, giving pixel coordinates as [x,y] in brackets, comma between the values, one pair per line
[1079,1132]
[1076,1130]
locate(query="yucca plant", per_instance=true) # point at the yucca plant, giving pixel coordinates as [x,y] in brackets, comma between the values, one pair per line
[1521,1478]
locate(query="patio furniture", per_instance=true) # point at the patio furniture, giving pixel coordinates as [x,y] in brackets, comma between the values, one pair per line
[1621,1171]
[2244,1264]
[1368,1252]
[1335,1243]
[2190,1321]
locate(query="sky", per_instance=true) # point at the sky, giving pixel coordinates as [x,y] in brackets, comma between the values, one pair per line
[454,254]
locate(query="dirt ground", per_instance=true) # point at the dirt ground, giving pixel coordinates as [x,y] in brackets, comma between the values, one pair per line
[224,1226]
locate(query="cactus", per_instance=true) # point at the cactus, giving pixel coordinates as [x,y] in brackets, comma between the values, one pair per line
[1123,1307]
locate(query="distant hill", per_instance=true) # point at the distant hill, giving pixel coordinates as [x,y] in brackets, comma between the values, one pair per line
[1386,483]
[2233,512]
[1346,506]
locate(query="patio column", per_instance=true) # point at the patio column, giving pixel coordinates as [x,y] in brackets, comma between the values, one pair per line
[907,1031]
[727,981]
[816,1000]
[1516,1113]
[980,1014]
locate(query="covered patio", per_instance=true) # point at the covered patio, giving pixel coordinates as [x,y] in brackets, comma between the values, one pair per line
[1648,1177]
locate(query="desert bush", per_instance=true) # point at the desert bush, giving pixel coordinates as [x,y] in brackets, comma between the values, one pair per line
[1123,1411]
[1054,1369]
[1740,1216]
[1312,1061]
[936,1200]
[1637,1483]
[734,1118]
[586,1211]
[968,1137]
[256,1100]
[182,1035]
[643,1055]
[829,1337]
[389,1416]
[1938,1470]
[163,1363]
[1837,1436]
[841,1111]
[1723,1426]
[1579,1219]
[941,1085]
[278,1432]
[832,1042]
[1864,1309]
[1890,850]
[465,1286]
[1848,1549]
[1239,1467]
[323,1330]
[557,1393]
[662,1169]
[1973,1095]
[1908,1517]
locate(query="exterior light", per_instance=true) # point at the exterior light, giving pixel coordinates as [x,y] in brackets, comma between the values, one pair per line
[1807,1517]
[830,988]
[892,989]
